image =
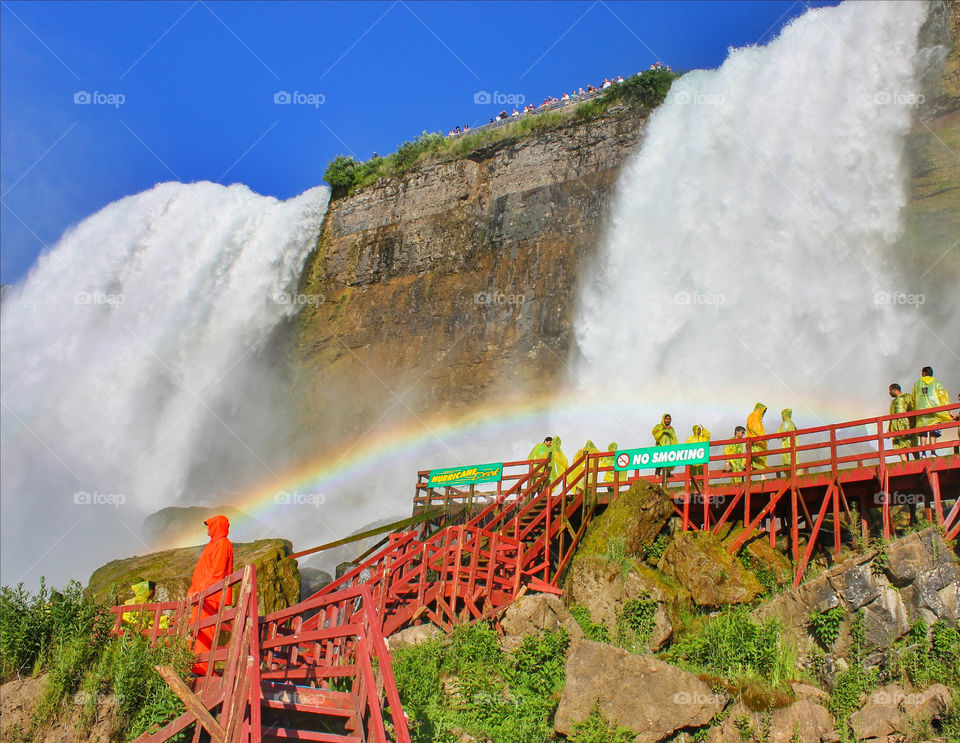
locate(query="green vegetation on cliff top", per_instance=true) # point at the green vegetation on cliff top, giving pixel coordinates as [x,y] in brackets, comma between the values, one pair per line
[346,175]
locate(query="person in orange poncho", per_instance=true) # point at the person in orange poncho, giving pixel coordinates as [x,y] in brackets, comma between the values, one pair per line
[215,563]
[755,428]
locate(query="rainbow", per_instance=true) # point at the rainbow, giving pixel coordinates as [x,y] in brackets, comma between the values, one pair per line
[413,445]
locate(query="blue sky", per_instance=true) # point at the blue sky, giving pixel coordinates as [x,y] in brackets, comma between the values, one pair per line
[185,90]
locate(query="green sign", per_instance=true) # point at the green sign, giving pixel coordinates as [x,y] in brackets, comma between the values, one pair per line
[466,475]
[662,456]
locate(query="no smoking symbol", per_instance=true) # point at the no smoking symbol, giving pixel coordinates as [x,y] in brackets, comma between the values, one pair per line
[623,460]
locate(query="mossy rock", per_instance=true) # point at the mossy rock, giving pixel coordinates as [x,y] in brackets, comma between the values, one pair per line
[636,516]
[278,577]
[770,566]
[701,564]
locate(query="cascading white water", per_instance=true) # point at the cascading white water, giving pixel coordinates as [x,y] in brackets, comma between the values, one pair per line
[750,254]
[133,356]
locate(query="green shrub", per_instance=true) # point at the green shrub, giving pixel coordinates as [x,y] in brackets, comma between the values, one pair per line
[65,635]
[468,685]
[927,657]
[596,729]
[595,631]
[735,646]
[635,623]
[341,173]
[825,625]
[31,625]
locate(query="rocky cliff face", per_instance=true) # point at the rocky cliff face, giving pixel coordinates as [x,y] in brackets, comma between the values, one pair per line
[458,280]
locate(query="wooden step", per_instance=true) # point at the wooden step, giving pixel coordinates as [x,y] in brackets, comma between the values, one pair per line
[307,699]
[281,733]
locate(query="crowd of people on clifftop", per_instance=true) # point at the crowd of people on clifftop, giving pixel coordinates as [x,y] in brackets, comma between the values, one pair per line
[565,98]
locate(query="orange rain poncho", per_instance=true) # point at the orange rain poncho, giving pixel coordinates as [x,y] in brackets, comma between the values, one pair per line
[215,563]
[755,428]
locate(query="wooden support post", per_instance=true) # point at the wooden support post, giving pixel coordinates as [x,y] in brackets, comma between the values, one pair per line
[192,703]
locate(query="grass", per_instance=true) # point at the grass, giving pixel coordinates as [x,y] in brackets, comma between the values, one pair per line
[735,646]
[467,685]
[596,729]
[346,175]
[65,636]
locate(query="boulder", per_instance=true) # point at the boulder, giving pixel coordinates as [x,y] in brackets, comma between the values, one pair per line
[891,711]
[758,555]
[534,613]
[804,720]
[635,691]
[278,578]
[637,516]
[413,636]
[603,589]
[714,577]
[919,580]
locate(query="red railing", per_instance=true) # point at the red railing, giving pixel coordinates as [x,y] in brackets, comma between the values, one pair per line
[344,658]
[225,701]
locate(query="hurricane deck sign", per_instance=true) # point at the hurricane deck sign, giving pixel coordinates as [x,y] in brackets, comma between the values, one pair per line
[662,456]
[469,475]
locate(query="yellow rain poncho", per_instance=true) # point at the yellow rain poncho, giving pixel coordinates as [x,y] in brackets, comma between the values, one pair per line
[700,434]
[541,451]
[786,426]
[755,428]
[736,465]
[142,620]
[928,392]
[558,462]
[608,461]
[588,448]
[902,403]
[663,434]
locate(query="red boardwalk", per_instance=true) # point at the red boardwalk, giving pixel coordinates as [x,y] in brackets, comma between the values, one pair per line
[321,671]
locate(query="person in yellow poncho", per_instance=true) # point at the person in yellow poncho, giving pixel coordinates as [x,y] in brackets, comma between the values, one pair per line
[664,435]
[543,450]
[558,462]
[608,461]
[786,426]
[902,403]
[588,448]
[143,593]
[739,464]
[755,428]
[700,434]
[928,392]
